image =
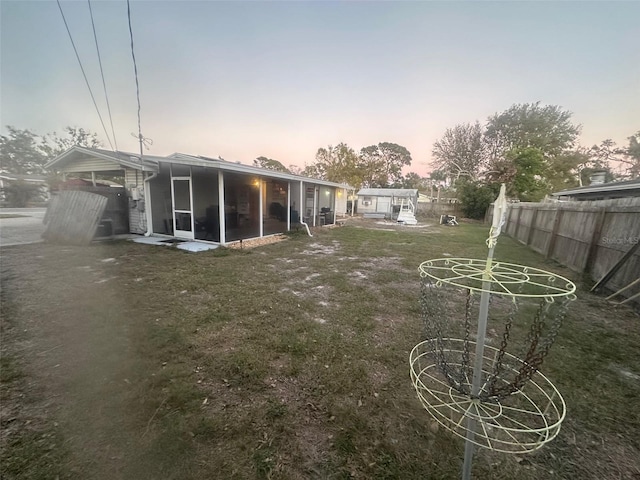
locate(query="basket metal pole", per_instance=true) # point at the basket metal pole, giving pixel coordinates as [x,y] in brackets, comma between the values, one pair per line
[477,368]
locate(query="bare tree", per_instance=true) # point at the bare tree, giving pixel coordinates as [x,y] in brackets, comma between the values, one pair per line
[461,151]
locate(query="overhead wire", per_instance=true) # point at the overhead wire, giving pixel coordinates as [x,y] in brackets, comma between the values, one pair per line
[135,71]
[84,74]
[104,84]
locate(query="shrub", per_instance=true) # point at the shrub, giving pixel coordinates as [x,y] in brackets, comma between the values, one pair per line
[476,198]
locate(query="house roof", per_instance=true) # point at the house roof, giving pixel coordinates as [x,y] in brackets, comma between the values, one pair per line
[199,160]
[124,159]
[601,188]
[388,192]
[152,162]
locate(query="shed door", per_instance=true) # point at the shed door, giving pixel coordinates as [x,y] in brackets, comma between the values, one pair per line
[182,211]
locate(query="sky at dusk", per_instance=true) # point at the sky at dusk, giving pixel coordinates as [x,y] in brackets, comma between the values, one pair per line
[282,79]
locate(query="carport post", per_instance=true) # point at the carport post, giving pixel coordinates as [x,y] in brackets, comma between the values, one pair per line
[222,222]
[288,206]
[301,208]
[260,207]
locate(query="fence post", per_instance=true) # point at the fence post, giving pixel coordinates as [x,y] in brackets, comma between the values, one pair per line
[554,232]
[532,225]
[515,234]
[488,213]
[593,245]
[508,222]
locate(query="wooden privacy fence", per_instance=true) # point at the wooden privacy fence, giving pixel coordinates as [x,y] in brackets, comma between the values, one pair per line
[117,209]
[588,237]
[73,217]
[438,208]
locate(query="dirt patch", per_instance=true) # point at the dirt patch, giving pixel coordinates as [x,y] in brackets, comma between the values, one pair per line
[321,249]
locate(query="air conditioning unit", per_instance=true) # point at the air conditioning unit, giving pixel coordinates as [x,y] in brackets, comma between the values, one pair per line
[366,204]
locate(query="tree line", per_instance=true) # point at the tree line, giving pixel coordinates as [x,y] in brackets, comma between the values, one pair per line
[533,149]
[373,166]
[24,152]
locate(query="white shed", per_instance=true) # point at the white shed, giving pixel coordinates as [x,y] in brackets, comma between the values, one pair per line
[382,200]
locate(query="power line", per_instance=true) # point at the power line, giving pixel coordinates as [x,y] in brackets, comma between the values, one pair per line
[83,73]
[135,71]
[104,85]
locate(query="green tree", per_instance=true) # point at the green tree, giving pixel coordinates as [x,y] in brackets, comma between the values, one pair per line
[461,152]
[564,171]
[413,180]
[381,165]
[547,128]
[531,145]
[602,155]
[21,152]
[631,156]
[524,172]
[529,183]
[336,164]
[270,164]
[438,176]
[53,144]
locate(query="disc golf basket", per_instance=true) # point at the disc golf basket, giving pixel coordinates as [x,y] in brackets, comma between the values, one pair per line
[489,326]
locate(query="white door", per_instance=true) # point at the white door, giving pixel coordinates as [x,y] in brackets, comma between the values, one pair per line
[182,212]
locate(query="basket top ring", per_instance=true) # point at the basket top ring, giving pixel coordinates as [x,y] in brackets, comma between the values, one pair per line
[497,277]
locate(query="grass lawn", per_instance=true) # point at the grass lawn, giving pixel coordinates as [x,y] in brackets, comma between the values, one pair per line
[287,361]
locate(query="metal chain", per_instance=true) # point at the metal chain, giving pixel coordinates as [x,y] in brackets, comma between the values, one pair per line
[492,390]
[465,367]
[542,333]
[538,348]
[433,315]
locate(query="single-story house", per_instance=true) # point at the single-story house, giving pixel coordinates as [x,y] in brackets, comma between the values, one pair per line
[601,191]
[199,198]
[382,200]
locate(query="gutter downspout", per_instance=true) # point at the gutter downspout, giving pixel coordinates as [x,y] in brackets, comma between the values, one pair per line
[307,227]
[302,196]
[147,202]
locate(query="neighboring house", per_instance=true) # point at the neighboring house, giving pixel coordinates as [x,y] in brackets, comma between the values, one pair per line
[601,191]
[39,180]
[381,200]
[199,198]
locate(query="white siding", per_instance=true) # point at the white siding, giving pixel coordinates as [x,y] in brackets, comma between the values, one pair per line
[137,218]
[133,178]
[91,165]
[363,207]
[341,201]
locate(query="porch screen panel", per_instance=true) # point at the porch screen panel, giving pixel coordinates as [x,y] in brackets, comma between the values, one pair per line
[275,206]
[242,211]
[325,206]
[182,195]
